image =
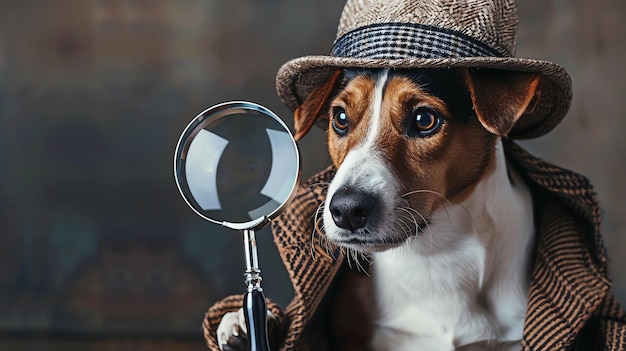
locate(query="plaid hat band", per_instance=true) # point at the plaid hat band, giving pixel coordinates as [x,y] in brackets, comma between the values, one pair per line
[395,41]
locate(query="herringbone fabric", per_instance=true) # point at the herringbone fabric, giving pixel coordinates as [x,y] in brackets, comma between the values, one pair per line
[486,21]
[569,308]
[431,34]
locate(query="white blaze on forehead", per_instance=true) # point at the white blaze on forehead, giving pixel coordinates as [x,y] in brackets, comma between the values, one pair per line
[372,132]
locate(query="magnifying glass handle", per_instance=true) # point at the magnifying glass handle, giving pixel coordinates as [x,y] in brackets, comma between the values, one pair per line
[254,305]
[255,312]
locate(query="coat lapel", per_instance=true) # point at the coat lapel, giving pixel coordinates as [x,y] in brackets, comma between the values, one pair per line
[310,264]
[566,286]
[569,279]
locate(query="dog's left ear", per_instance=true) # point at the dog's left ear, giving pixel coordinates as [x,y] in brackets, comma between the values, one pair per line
[305,115]
[500,98]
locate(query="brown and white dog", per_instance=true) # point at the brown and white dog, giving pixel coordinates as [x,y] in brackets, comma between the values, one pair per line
[423,187]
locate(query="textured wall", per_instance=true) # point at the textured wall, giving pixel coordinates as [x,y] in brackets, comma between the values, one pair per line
[586,37]
[98,249]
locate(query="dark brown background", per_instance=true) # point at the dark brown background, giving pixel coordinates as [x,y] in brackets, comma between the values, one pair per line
[98,250]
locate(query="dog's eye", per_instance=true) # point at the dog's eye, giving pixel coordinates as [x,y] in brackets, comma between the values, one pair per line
[424,122]
[340,120]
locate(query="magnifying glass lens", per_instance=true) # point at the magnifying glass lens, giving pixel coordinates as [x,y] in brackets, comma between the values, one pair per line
[240,168]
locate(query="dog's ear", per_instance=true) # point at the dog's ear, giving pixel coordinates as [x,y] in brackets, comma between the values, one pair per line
[500,98]
[305,115]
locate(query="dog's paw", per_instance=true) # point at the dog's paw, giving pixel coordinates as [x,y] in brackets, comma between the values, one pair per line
[232,334]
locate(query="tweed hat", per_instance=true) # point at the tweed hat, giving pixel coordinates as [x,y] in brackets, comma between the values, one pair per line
[432,34]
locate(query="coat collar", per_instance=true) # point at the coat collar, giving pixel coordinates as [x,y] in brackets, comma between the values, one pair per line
[569,279]
[310,264]
[566,286]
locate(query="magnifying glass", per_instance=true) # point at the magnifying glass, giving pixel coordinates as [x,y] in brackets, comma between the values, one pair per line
[237,165]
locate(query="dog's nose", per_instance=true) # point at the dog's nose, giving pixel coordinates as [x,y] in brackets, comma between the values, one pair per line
[350,209]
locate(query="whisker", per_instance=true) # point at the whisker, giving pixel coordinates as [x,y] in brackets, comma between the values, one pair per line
[406,229]
[359,262]
[425,223]
[360,258]
[352,257]
[422,191]
[441,196]
[355,257]
[348,253]
[367,258]
[319,232]
[450,203]
[316,229]
[412,218]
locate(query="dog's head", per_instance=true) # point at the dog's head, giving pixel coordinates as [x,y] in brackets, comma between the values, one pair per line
[406,141]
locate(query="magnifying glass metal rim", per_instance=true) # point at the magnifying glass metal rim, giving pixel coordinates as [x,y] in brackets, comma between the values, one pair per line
[213,114]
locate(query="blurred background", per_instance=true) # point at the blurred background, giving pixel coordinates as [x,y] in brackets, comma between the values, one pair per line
[97,249]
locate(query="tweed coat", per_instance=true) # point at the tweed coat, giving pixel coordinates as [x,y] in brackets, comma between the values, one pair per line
[570,306]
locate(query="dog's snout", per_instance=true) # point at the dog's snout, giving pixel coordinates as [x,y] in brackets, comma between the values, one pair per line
[351,209]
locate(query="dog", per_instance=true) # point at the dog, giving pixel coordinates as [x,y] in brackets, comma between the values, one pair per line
[423,188]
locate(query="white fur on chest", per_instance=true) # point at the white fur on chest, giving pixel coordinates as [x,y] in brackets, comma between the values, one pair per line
[464,280]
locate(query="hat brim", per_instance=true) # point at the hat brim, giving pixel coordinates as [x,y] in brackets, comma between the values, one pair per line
[298,77]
